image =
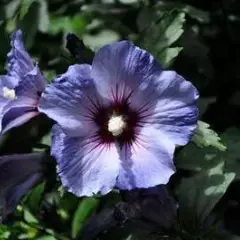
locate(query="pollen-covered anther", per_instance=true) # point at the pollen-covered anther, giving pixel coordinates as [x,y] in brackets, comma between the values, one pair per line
[116,125]
[9,93]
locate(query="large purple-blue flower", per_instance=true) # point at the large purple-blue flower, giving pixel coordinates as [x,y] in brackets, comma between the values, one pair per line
[20,88]
[119,120]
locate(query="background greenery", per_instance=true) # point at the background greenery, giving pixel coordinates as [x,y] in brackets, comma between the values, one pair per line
[198,39]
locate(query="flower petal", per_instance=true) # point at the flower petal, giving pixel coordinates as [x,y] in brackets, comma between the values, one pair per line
[151,208]
[85,167]
[18,112]
[147,162]
[22,101]
[17,117]
[71,99]
[21,88]
[19,173]
[176,113]
[3,103]
[32,84]
[157,202]
[121,68]
[14,195]
[8,81]
[22,71]
[19,61]
[17,167]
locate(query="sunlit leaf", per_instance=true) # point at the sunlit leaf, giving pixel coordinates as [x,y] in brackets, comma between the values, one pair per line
[34,198]
[49,237]
[35,19]
[46,140]
[11,8]
[102,38]
[29,217]
[164,31]
[194,158]
[49,75]
[206,137]
[78,24]
[231,137]
[195,13]
[85,208]
[25,5]
[29,24]
[128,1]
[170,28]
[67,24]
[167,55]
[58,24]
[43,16]
[199,194]
[4,232]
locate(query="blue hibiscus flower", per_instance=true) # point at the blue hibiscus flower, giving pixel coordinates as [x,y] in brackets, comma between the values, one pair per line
[20,88]
[118,121]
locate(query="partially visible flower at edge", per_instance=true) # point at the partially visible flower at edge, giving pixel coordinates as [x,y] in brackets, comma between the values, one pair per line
[19,173]
[20,88]
[152,210]
[119,121]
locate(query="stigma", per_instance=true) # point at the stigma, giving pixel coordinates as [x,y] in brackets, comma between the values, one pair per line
[116,125]
[9,93]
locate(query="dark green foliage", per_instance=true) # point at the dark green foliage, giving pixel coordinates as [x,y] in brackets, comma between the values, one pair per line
[200,40]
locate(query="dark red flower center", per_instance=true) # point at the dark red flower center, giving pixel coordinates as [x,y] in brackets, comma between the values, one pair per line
[130,117]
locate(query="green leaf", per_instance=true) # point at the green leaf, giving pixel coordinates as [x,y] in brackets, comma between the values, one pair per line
[199,194]
[194,158]
[25,5]
[29,24]
[198,14]
[44,21]
[34,198]
[4,232]
[78,24]
[47,237]
[67,24]
[49,75]
[35,18]
[66,204]
[193,12]
[170,29]
[128,1]
[85,208]
[231,137]
[164,31]
[206,137]
[29,217]
[58,24]
[145,18]
[234,237]
[4,43]
[46,140]
[105,36]
[11,8]
[167,55]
